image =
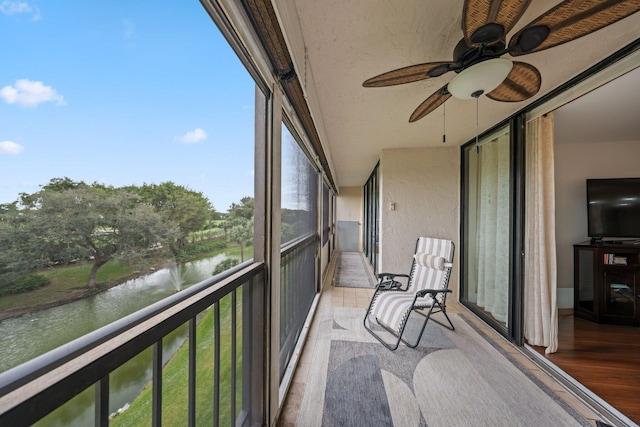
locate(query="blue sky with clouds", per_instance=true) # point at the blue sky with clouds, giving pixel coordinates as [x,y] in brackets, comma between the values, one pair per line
[122,92]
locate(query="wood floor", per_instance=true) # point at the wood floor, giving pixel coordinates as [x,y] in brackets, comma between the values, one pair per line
[604,358]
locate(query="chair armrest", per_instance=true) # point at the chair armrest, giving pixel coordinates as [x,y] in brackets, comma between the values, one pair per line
[391,282]
[388,285]
[391,275]
[433,292]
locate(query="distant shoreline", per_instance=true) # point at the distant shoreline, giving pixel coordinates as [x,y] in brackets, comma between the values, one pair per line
[78,293]
[82,292]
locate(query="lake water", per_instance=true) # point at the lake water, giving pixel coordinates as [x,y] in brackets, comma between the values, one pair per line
[30,335]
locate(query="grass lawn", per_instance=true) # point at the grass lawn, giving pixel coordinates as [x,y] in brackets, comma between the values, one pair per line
[66,284]
[175,376]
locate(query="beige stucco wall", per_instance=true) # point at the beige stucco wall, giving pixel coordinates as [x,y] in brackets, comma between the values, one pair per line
[574,163]
[349,208]
[423,183]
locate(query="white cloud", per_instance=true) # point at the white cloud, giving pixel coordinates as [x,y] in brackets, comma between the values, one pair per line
[29,94]
[8,7]
[194,136]
[14,7]
[10,147]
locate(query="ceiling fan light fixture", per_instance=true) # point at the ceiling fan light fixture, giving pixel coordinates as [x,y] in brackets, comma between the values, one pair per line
[480,78]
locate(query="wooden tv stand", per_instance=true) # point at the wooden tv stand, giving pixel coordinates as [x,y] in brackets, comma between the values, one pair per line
[607,282]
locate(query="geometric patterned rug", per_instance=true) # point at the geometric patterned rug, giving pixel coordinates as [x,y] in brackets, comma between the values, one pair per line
[453,378]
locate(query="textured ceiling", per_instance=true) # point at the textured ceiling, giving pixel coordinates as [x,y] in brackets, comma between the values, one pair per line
[337,44]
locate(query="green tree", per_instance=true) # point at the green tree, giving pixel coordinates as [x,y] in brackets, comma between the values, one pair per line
[55,185]
[239,222]
[242,210]
[241,233]
[99,224]
[6,235]
[189,209]
[14,240]
[8,211]
[225,265]
[215,215]
[287,232]
[225,224]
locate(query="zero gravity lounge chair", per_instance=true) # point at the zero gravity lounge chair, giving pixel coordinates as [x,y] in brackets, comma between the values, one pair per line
[425,292]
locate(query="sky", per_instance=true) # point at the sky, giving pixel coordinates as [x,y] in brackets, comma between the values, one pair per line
[122,92]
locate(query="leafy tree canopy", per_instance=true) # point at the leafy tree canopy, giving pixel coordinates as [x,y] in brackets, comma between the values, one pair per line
[189,209]
[55,185]
[90,222]
[69,220]
[242,210]
[225,265]
[241,233]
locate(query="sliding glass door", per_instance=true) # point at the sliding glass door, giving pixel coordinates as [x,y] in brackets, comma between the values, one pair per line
[487,227]
[371,209]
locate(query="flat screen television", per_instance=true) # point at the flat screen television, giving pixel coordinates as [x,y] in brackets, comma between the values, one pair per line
[613,207]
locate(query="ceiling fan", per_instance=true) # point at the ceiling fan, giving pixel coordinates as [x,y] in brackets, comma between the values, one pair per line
[477,58]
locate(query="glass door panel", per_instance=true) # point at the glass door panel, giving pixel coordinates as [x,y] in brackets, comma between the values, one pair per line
[620,294]
[487,225]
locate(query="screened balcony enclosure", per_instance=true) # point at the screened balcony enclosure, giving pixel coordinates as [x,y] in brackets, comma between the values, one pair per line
[274,99]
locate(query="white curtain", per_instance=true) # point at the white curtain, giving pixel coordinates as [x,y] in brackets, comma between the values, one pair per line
[540,268]
[492,228]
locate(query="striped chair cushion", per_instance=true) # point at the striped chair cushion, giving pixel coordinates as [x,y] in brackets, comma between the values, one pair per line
[430,261]
[392,308]
[438,247]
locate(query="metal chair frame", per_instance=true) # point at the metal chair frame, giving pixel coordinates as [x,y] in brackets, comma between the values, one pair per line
[387,283]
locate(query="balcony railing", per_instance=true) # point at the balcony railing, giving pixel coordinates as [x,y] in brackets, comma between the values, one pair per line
[298,272]
[234,301]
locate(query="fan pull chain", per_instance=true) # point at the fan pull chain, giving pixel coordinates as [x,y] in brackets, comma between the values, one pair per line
[444,123]
[477,126]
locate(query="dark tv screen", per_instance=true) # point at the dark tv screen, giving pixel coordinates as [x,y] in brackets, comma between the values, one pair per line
[613,207]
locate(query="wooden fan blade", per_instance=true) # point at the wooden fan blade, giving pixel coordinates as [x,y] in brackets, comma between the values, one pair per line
[430,104]
[487,21]
[412,73]
[521,83]
[568,21]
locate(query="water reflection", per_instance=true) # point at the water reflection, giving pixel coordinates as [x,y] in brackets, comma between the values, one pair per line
[24,337]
